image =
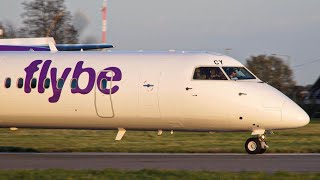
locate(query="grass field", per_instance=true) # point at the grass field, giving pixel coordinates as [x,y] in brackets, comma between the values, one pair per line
[302,140]
[149,174]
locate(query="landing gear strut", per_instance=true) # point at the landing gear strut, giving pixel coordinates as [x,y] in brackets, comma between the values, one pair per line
[256,145]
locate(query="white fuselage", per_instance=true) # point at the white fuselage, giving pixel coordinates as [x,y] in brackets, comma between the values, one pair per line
[147,91]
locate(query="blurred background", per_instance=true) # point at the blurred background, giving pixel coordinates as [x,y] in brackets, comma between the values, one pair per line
[278,40]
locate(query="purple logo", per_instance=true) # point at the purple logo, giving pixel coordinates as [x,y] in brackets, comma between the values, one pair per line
[78,70]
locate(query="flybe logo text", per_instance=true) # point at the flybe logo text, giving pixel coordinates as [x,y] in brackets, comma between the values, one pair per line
[47,71]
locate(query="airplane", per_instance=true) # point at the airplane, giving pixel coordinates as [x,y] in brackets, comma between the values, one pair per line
[148,91]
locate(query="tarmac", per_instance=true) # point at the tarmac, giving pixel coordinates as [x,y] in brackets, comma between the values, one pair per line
[136,161]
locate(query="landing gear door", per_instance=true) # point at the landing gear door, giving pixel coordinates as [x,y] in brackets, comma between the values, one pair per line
[103,98]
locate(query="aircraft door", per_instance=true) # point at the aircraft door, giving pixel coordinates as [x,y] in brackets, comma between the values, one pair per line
[192,101]
[103,102]
[246,108]
[148,94]
[253,101]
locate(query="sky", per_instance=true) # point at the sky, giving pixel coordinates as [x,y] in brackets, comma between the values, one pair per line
[248,27]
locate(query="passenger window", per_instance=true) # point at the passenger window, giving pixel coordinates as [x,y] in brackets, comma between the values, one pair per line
[7,83]
[20,83]
[209,73]
[103,84]
[33,83]
[74,83]
[47,83]
[60,84]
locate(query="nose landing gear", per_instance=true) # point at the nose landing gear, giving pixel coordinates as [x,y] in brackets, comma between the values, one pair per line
[256,145]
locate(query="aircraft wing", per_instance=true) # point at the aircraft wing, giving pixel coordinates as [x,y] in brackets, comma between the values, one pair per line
[78,47]
[60,47]
[22,48]
[46,44]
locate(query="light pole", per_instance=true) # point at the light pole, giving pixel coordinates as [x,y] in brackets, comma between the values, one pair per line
[104,21]
[284,55]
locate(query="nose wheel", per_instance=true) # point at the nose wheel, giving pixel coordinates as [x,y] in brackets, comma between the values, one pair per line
[256,145]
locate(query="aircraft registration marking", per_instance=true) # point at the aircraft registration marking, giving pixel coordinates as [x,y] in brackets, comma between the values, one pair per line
[218,62]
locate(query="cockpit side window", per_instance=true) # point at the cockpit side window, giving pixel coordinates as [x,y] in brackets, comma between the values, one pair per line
[238,73]
[209,73]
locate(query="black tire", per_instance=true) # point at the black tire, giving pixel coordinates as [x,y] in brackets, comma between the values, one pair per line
[253,146]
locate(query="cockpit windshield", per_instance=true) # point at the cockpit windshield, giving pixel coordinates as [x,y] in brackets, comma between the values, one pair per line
[238,73]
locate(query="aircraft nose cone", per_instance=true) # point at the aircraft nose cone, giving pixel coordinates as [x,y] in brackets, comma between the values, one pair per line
[294,116]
